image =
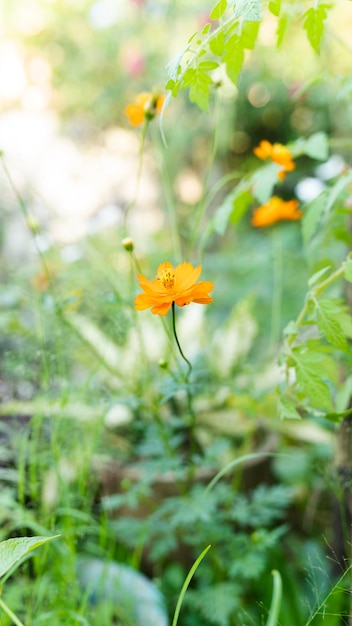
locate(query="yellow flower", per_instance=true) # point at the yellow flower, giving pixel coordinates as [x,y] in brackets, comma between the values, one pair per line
[276,210]
[177,285]
[146,106]
[278,154]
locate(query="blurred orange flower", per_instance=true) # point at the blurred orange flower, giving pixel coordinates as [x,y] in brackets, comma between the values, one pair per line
[177,285]
[145,107]
[276,210]
[278,154]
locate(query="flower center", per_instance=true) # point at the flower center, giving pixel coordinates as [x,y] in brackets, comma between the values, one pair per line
[167,278]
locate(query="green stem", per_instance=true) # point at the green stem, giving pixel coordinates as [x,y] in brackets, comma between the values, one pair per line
[192,415]
[138,177]
[202,205]
[277,288]
[169,198]
[276,599]
[178,343]
[11,615]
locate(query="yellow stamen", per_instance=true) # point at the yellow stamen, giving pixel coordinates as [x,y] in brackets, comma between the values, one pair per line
[167,278]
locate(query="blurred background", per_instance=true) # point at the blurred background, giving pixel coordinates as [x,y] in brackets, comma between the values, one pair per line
[82,378]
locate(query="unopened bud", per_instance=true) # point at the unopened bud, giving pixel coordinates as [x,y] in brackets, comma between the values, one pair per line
[128,244]
[163,364]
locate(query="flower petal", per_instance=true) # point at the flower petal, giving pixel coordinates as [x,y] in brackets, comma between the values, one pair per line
[161,309]
[186,275]
[135,114]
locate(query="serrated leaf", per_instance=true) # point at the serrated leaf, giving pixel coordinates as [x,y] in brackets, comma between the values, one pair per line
[13,550]
[347,270]
[329,326]
[219,10]
[234,57]
[188,77]
[199,94]
[249,10]
[217,603]
[311,383]
[314,24]
[287,410]
[275,7]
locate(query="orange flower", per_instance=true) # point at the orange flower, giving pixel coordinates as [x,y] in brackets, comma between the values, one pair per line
[276,210]
[278,154]
[146,106]
[177,285]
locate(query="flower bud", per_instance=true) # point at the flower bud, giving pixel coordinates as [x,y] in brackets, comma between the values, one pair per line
[127,243]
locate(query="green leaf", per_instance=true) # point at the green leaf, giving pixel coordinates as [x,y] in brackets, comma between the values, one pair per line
[188,77]
[217,43]
[13,550]
[186,583]
[317,391]
[275,7]
[208,65]
[249,34]
[317,146]
[338,416]
[173,86]
[314,24]
[275,605]
[314,279]
[174,66]
[206,29]
[233,208]
[264,180]
[200,89]
[216,604]
[312,217]
[338,189]
[240,206]
[234,57]
[328,324]
[347,270]
[219,10]
[249,9]
[281,29]
[287,410]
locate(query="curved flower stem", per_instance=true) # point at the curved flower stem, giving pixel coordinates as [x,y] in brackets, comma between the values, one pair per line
[178,343]
[167,187]
[192,416]
[138,177]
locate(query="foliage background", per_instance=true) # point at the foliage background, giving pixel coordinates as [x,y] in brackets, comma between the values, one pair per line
[80,374]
